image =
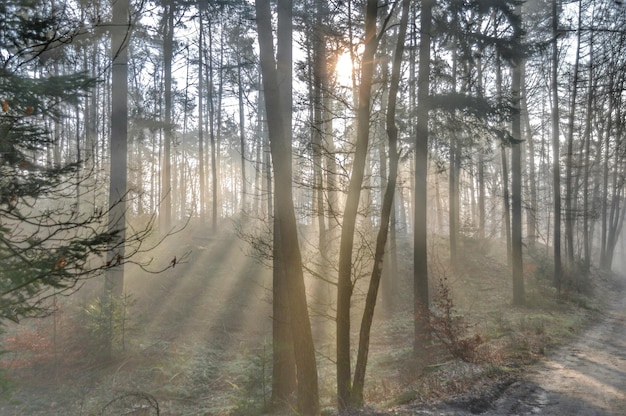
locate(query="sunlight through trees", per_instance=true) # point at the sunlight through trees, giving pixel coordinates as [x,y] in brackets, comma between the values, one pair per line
[355,147]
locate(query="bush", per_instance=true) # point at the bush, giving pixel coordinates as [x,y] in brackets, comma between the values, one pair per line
[106,320]
[449,328]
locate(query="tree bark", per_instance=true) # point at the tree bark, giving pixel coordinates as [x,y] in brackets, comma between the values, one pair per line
[120,34]
[166,184]
[569,189]
[308,396]
[201,158]
[386,210]
[556,171]
[516,183]
[420,255]
[344,283]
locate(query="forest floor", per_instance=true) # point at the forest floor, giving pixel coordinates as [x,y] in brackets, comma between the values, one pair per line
[583,377]
[196,341]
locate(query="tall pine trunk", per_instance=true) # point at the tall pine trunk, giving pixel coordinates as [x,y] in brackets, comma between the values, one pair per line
[166,184]
[516,183]
[307,388]
[420,196]
[556,170]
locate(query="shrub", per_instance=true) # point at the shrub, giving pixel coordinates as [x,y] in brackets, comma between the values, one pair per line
[449,328]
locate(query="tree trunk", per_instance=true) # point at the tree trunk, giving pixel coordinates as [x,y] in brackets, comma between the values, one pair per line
[420,197]
[569,189]
[345,283]
[114,277]
[556,171]
[516,183]
[531,210]
[505,172]
[387,206]
[242,131]
[119,145]
[308,396]
[201,158]
[587,235]
[166,184]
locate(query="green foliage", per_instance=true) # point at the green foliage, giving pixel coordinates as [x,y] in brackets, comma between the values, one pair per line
[48,245]
[106,320]
[253,387]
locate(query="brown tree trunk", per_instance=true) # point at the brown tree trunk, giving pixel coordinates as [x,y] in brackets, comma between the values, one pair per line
[556,171]
[166,184]
[387,207]
[516,183]
[308,396]
[420,197]
[345,283]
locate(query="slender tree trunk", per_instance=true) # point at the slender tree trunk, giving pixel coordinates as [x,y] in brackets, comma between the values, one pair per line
[345,283]
[505,171]
[516,184]
[213,120]
[532,209]
[420,197]
[569,189]
[481,159]
[318,130]
[506,202]
[242,132]
[556,171]
[201,158]
[387,206]
[587,234]
[166,184]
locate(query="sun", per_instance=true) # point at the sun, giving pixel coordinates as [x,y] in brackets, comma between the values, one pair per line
[344,69]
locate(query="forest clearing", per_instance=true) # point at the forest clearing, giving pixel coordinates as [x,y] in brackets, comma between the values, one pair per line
[312,207]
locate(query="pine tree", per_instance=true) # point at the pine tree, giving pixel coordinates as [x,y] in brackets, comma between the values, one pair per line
[47,246]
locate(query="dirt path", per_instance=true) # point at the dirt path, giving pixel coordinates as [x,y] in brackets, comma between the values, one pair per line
[587,377]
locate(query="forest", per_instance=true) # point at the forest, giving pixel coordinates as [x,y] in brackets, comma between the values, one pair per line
[232,207]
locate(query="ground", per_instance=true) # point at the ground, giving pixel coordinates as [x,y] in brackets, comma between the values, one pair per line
[196,341]
[585,377]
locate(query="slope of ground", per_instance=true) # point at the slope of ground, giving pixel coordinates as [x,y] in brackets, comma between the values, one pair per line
[198,340]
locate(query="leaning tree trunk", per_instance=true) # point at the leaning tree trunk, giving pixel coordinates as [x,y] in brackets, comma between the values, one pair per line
[344,283]
[387,207]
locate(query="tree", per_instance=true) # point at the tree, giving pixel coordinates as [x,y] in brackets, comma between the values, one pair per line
[556,170]
[307,388]
[168,51]
[120,33]
[387,207]
[420,195]
[344,281]
[45,248]
[516,182]
[284,377]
